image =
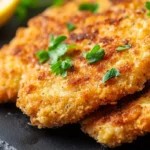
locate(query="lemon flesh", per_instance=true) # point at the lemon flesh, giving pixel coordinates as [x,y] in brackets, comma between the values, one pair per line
[7,9]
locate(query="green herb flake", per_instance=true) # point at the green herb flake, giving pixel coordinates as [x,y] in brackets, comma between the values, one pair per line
[125,47]
[56,53]
[111,74]
[95,55]
[55,42]
[42,56]
[60,67]
[89,7]
[70,26]
[147,5]
[57,48]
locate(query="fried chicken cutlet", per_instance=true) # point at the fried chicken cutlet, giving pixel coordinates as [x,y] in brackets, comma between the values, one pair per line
[122,123]
[53,101]
[12,58]
[10,75]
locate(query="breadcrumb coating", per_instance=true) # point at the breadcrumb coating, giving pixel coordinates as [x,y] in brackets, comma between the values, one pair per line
[15,56]
[122,123]
[53,101]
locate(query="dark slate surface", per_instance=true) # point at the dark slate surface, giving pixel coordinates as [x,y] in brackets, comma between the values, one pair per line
[15,128]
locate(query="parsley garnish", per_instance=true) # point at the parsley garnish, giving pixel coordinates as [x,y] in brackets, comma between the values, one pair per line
[95,55]
[42,56]
[70,26]
[122,48]
[60,67]
[58,2]
[89,7]
[147,5]
[56,50]
[111,74]
[55,42]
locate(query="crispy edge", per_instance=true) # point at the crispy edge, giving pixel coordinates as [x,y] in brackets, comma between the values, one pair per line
[123,123]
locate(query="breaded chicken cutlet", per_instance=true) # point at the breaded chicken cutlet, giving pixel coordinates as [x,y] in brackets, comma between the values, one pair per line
[12,61]
[122,123]
[10,76]
[53,101]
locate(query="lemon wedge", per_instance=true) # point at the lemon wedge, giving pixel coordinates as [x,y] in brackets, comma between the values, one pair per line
[7,9]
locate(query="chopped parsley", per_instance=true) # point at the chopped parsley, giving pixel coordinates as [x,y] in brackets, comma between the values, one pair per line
[56,51]
[57,48]
[125,47]
[89,7]
[111,74]
[55,42]
[58,2]
[147,5]
[60,67]
[95,55]
[42,56]
[70,26]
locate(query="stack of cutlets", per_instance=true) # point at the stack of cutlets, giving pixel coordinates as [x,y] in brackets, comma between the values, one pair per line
[122,30]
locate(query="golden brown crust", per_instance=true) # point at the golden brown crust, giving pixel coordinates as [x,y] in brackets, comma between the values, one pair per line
[122,123]
[29,40]
[10,75]
[51,100]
